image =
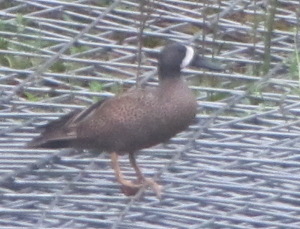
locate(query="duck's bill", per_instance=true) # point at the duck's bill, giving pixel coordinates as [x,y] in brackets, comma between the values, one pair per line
[202,62]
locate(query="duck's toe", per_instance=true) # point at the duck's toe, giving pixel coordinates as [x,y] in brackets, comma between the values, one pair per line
[148,182]
[130,190]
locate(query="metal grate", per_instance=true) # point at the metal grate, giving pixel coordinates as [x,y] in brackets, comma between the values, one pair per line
[237,166]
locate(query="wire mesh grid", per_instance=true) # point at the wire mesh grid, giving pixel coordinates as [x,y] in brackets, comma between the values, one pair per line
[237,166]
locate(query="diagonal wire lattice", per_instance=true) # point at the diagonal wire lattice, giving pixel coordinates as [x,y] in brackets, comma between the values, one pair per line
[237,166]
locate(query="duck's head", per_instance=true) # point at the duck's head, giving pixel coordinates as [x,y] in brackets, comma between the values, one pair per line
[176,56]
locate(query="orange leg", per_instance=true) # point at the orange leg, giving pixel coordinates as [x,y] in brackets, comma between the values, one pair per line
[128,187]
[145,181]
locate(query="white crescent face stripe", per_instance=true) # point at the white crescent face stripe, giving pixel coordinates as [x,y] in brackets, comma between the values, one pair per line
[188,56]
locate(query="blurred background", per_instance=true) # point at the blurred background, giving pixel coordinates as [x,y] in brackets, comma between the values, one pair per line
[237,166]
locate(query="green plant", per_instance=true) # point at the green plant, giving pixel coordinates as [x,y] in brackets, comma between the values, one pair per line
[31,97]
[96,86]
[78,49]
[297,60]
[58,66]
[3,43]
[293,62]
[21,22]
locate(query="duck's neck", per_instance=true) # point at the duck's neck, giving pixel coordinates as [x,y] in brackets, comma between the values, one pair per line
[169,72]
[169,78]
[171,84]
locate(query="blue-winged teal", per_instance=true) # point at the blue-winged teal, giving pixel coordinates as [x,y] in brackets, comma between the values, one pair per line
[132,121]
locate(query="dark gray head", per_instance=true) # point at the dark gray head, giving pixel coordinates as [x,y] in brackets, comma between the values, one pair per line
[176,56]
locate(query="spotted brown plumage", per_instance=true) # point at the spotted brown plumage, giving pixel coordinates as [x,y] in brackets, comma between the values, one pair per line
[134,120]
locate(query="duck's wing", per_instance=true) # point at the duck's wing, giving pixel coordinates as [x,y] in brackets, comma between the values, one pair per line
[62,133]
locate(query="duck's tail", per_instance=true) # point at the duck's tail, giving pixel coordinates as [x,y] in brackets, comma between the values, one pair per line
[62,133]
[57,134]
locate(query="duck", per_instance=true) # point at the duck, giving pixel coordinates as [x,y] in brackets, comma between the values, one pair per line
[135,120]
